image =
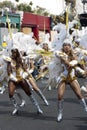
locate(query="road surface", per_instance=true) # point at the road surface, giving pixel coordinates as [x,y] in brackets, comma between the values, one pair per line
[74,118]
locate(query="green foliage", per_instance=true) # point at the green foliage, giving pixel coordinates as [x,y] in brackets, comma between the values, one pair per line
[8,4]
[41,11]
[30,3]
[24,7]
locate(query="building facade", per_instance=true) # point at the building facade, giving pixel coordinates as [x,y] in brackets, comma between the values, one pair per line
[36,24]
[14,22]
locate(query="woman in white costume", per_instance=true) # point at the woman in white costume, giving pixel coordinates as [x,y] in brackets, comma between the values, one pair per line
[29,62]
[68,76]
[17,74]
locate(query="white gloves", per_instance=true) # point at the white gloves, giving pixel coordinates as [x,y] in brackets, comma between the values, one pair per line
[60,54]
[7,58]
[78,69]
[12,77]
[30,71]
[25,75]
[84,89]
[73,62]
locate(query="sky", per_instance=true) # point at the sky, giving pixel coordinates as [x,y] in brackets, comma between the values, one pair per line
[52,6]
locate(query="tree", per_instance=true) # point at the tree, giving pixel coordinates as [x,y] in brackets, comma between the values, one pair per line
[73,2]
[30,3]
[41,11]
[8,4]
[24,7]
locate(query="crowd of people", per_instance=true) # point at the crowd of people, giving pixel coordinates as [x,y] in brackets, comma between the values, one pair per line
[63,63]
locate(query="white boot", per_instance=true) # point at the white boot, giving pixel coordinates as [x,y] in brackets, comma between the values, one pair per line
[43,97]
[60,111]
[60,116]
[22,103]
[83,103]
[46,102]
[84,89]
[15,111]
[2,90]
[49,88]
[16,107]
[34,101]
[21,99]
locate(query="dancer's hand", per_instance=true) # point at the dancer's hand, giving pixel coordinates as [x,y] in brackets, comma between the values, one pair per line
[12,77]
[25,75]
[73,63]
[30,71]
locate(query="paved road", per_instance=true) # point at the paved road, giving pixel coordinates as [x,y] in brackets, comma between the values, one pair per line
[27,119]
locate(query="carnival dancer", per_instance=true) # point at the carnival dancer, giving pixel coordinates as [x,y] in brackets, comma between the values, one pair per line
[17,74]
[84,91]
[68,76]
[29,62]
[44,59]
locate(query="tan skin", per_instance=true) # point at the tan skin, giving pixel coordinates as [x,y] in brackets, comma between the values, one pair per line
[12,85]
[73,84]
[31,79]
[45,47]
[33,83]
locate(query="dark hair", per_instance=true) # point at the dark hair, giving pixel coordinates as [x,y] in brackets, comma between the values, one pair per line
[64,44]
[25,54]
[71,54]
[17,59]
[15,51]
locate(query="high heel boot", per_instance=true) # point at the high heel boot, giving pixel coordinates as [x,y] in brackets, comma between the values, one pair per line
[43,97]
[60,111]
[83,103]
[16,107]
[34,101]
